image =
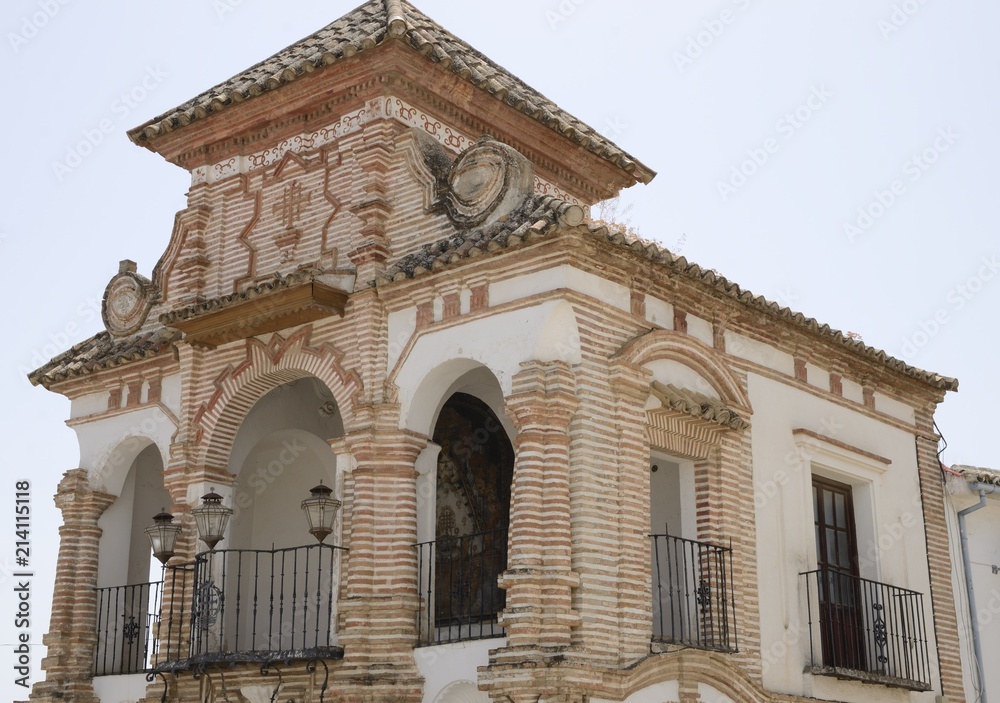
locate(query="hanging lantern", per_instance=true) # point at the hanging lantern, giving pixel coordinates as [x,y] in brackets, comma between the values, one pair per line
[211,519]
[162,535]
[320,510]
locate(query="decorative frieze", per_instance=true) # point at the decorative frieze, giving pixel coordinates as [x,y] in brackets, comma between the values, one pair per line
[389,107]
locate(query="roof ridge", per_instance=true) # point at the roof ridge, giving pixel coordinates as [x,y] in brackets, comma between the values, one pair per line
[364,28]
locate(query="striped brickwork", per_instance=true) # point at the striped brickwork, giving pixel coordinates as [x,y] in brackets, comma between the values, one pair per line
[578,583]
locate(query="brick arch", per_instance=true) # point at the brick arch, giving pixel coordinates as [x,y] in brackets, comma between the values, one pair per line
[692,667]
[693,353]
[267,366]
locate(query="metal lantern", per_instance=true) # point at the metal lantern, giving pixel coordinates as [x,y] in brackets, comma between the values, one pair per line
[320,510]
[162,535]
[211,519]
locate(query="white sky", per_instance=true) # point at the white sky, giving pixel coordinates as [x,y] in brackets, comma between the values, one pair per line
[882,94]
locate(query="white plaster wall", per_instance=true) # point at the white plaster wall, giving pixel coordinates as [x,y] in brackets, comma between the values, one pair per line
[664,692]
[170,393]
[671,496]
[818,377]
[120,689]
[123,523]
[446,664]
[275,478]
[109,445]
[853,390]
[700,329]
[759,353]
[894,408]
[891,539]
[659,312]
[89,404]
[710,694]
[558,277]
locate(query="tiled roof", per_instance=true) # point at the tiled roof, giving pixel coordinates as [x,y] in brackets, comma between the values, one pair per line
[978,474]
[541,217]
[537,216]
[697,405]
[368,26]
[263,288]
[101,352]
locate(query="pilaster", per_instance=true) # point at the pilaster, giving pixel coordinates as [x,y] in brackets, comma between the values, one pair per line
[73,626]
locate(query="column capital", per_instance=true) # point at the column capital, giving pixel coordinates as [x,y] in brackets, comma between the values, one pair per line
[75,495]
[374,448]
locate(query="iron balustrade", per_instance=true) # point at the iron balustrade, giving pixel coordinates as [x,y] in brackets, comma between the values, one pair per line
[693,600]
[457,582]
[250,605]
[126,625]
[867,630]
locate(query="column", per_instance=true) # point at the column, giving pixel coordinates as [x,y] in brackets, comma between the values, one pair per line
[540,579]
[73,626]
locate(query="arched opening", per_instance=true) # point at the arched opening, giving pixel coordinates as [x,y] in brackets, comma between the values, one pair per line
[126,613]
[271,586]
[474,473]
[463,489]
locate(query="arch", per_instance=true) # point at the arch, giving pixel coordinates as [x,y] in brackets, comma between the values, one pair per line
[461,692]
[266,366]
[499,343]
[461,375]
[713,677]
[667,345]
[112,471]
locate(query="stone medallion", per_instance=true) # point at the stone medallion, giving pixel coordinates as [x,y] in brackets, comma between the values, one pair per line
[488,181]
[127,301]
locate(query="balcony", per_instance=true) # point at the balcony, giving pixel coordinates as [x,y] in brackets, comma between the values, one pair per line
[693,600]
[865,630]
[457,582]
[126,620]
[230,605]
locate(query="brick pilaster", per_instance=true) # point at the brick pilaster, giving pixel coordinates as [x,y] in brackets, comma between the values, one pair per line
[378,604]
[938,557]
[539,580]
[73,625]
[634,588]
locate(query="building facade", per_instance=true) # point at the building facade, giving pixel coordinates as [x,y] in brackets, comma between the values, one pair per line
[570,464]
[974,520]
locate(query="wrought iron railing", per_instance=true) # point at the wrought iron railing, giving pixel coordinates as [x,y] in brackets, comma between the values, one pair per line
[126,627]
[250,605]
[693,600]
[457,581]
[866,630]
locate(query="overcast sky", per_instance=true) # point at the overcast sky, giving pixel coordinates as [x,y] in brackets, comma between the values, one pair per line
[839,157]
